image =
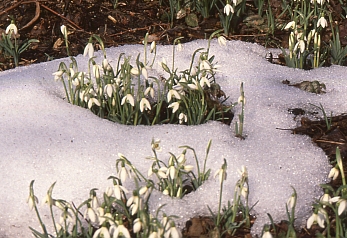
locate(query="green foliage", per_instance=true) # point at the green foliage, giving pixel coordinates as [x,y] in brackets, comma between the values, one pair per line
[11,46]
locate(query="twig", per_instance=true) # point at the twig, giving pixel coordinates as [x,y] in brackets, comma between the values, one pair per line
[61,16]
[37,15]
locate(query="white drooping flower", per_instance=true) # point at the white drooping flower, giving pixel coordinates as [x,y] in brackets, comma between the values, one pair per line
[150,91]
[129,99]
[174,106]
[123,174]
[204,81]
[342,204]
[11,28]
[222,41]
[317,217]
[134,203]
[109,89]
[102,232]
[137,225]
[300,45]
[334,173]
[267,234]
[144,105]
[93,101]
[121,230]
[63,30]
[58,75]
[291,24]
[228,9]
[89,50]
[182,118]
[172,93]
[322,22]
[118,190]
[90,213]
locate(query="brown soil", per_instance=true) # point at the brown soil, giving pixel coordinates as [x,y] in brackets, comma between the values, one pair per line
[128,23]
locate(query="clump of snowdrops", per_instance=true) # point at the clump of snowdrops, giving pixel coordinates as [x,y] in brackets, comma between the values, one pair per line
[307,24]
[121,213]
[127,94]
[11,46]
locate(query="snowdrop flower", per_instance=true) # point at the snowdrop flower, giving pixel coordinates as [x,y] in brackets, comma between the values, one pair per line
[145,191]
[171,171]
[96,71]
[222,41]
[334,173]
[32,199]
[48,199]
[204,81]
[129,99]
[162,172]
[242,99]
[102,232]
[174,106]
[11,28]
[173,232]
[118,189]
[301,45]
[90,213]
[325,199]
[310,35]
[109,89]
[322,22]
[121,230]
[172,93]
[290,25]
[144,105]
[105,65]
[134,71]
[205,65]
[317,217]
[66,216]
[243,172]
[123,174]
[291,201]
[163,64]
[89,50]
[166,192]
[137,225]
[155,144]
[154,234]
[182,118]
[267,234]
[93,101]
[244,192]
[188,168]
[342,204]
[144,72]
[193,86]
[221,173]
[150,91]
[63,30]
[134,203]
[228,8]
[58,75]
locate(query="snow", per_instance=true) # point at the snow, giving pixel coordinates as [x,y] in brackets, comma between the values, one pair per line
[46,139]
